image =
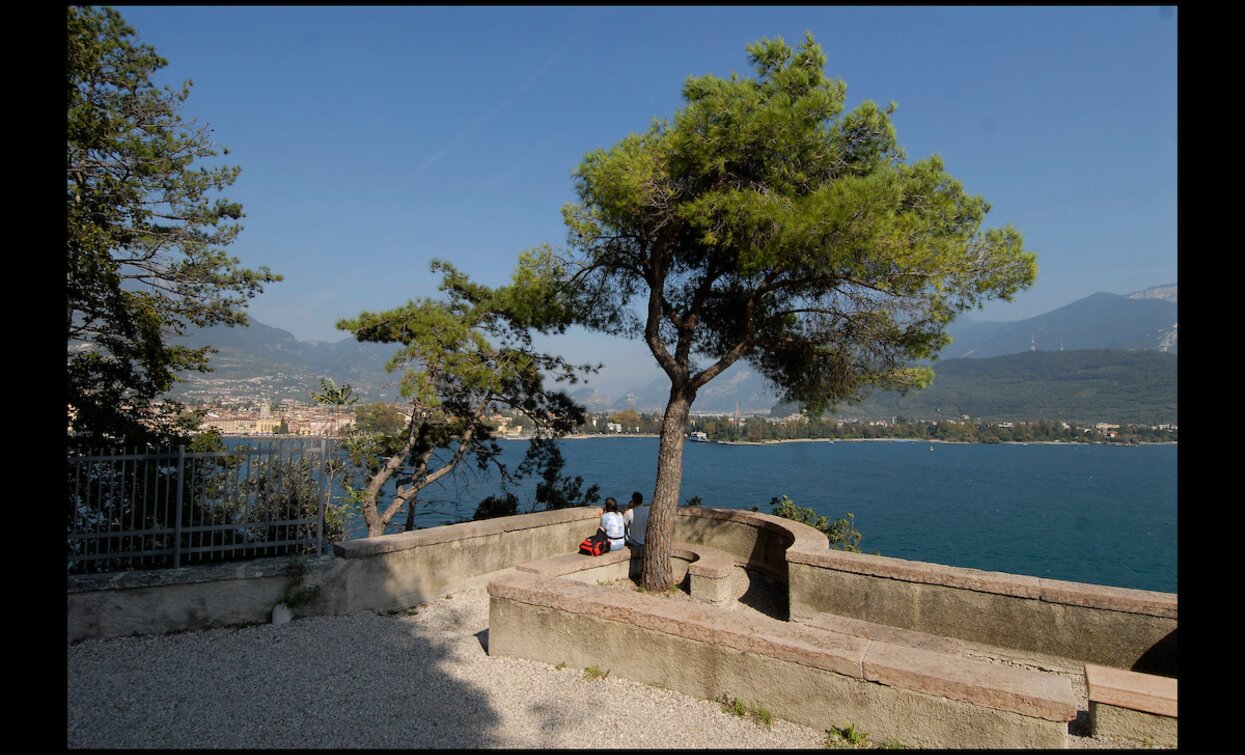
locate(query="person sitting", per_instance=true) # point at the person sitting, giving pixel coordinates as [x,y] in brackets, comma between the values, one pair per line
[612,524]
[636,520]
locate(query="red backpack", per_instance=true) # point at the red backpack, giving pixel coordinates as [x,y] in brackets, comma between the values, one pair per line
[596,544]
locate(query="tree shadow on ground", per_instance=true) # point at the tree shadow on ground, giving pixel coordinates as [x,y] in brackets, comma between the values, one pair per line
[361,681]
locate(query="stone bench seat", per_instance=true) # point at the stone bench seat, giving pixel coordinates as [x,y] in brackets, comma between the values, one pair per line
[884,633]
[708,570]
[1130,705]
[570,563]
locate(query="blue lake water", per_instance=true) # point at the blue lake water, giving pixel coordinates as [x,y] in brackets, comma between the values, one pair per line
[1087,513]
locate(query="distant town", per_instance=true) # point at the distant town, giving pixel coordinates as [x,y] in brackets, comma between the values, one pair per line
[289,417]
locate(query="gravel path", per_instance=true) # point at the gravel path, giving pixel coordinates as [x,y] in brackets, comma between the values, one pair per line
[419,680]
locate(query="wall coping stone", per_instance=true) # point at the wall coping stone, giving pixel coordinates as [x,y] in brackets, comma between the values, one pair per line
[375,546]
[1147,693]
[263,567]
[1123,599]
[1000,687]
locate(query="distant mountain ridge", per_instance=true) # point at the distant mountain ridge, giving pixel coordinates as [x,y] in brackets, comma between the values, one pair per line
[1084,386]
[278,365]
[1140,320]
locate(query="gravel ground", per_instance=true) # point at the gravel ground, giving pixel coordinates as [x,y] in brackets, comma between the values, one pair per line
[419,680]
[422,679]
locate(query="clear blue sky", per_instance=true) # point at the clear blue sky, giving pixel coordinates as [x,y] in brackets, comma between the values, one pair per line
[375,139]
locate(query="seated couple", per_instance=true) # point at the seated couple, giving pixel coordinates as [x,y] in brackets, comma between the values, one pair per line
[628,527]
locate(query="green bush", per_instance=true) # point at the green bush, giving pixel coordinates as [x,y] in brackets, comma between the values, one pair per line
[842,533]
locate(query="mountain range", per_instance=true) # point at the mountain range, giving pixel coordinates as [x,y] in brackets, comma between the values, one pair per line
[1144,320]
[1111,325]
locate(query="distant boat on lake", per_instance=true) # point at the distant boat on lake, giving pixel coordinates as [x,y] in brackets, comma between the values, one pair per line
[698,437]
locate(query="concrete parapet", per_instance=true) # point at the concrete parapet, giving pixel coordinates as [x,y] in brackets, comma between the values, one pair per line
[802,673]
[1134,629]
[397,571]
[374,574]
[197,597]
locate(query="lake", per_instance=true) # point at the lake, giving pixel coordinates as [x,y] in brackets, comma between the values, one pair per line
[1088,513]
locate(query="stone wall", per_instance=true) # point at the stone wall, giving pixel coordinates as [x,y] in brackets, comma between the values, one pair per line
[376,574]
[1112,626]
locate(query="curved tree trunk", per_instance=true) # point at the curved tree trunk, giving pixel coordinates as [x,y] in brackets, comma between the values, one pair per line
[658,540]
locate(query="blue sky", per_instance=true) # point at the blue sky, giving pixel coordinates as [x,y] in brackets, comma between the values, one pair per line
[375,139]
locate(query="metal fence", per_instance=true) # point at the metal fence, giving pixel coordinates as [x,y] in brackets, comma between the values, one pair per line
[175,507]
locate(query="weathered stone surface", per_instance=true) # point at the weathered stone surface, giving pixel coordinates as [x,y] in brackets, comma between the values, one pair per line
[883,633]
[1128,689]
[1162,604]
[1083,628]
[373,546]
[977,580]
[258,568]
[567,563]
[710,664]
[1031,693]
[1110,722]
[756,540]
[833,652]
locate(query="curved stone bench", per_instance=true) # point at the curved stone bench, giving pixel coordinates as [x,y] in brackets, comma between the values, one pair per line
[755,540]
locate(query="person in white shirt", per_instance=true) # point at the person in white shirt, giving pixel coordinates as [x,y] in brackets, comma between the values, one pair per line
[612,524]
[636,520]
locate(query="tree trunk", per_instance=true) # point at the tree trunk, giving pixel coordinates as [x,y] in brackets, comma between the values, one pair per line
[410,514]
[659,539]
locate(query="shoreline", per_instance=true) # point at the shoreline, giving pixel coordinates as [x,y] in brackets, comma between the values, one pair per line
[591,436]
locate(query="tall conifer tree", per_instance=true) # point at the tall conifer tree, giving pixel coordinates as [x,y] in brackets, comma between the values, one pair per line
[766,224]
[146,227]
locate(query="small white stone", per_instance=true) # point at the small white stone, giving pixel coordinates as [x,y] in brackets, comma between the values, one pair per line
[281,614]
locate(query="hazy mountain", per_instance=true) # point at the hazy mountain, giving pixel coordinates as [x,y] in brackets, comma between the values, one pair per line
[591,399]
[261,360]
[738,383]
[1096,385]
[1140,320]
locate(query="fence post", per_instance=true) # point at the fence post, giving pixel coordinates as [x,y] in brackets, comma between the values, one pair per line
[326,490]
[177,526]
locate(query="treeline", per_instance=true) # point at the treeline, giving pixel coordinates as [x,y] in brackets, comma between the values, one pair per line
[759,429]
[762,429]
